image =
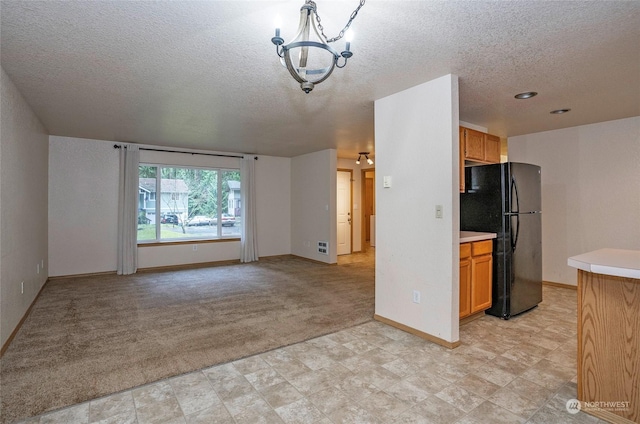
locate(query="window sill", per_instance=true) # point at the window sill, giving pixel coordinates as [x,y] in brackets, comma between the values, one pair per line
[175,243]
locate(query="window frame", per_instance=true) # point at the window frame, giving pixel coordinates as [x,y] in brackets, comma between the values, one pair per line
[158,207]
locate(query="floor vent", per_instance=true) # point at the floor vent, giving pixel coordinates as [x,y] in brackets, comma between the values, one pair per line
[323,247]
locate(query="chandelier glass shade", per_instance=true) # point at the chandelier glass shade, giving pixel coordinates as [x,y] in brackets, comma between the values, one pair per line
[309,57]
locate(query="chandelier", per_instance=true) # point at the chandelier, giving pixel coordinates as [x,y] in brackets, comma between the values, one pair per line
[309,57]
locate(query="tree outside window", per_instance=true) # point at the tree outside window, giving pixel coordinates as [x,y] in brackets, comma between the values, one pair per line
[194,203]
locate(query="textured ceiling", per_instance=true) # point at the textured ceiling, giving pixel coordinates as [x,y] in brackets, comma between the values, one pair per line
[204,74]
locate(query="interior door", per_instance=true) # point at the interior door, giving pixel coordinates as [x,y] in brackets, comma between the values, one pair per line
[344,213]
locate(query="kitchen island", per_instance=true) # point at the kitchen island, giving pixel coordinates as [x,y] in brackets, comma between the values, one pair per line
[609,333]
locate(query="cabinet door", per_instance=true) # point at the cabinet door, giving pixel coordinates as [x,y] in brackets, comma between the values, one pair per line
[465,287]
[473,144]
[481,276]
[492,148]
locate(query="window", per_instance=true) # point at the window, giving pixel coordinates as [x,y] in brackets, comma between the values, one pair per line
[193,204]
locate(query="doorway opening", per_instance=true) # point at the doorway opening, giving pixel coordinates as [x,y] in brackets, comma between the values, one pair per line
[368,209]
[354,222]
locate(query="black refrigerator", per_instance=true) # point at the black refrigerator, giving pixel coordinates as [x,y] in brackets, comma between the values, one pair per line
[505,199]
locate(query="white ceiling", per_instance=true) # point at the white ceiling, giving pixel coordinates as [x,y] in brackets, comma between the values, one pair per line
[204,74]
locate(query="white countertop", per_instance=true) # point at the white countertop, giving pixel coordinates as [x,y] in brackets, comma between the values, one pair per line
[616,262]
[469,236]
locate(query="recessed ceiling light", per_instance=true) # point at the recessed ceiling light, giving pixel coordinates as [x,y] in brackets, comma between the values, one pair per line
[559,111]
[526,95]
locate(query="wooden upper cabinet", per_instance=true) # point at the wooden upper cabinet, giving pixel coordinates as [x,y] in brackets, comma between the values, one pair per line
[479,146]
[473,144]
[492,148]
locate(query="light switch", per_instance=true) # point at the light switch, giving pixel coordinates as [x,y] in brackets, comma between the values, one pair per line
[386,182]
[438,211]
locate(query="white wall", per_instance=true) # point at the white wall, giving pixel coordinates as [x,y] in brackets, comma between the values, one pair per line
[273,202]
[590,190]
[356,194]
[417,146]
[23,215]
[83,200]
[83,181]
[313,204]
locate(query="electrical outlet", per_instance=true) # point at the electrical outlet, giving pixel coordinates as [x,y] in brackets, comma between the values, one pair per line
[416,296]
[195,247]
[439,211]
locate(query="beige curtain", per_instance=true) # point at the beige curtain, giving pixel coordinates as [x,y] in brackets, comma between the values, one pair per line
[248,233]
[128,210]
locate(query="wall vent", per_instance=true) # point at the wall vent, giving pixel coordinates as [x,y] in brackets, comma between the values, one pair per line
[323,247]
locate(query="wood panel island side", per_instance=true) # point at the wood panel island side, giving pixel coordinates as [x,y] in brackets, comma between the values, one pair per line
[609,334]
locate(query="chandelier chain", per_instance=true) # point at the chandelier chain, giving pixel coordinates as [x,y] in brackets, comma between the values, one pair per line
[346,27]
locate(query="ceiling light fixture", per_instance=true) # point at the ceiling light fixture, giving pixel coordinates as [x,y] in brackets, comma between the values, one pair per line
[366,155]
[315,58]
[559,111]
[526,95]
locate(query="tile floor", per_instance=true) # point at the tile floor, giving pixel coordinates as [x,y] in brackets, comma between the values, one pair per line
[516,371]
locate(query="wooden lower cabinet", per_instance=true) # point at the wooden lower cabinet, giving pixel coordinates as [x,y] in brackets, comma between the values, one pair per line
[476,273]
[481,273]
[465,280]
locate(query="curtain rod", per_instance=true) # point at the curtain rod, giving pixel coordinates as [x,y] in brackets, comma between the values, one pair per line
[117,146]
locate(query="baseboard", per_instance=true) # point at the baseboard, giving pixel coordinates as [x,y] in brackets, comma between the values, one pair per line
[313,260]
[421,334]
[88,274]
[559,285]
[208,264]
[179,267]
[24,317]
[472,317]
[169,267]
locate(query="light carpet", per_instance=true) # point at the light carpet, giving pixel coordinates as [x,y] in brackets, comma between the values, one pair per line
[90,336]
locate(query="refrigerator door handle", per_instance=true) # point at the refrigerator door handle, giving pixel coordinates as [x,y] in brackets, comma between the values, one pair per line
[514,190]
